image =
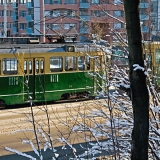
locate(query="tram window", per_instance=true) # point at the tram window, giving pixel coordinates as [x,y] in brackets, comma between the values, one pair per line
[158,56]
[30,67]
[118,56]
[88,63]
[25,67]
[81,63]
[70,63]
[10,66]
[37,66]
[42,66]
[56,64]
[0,66]
[149,60]
[98,63]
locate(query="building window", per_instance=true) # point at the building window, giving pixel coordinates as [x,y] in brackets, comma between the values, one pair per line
[119,13]
[1,13]
[118,25]
[8,13]
[30,24]
[22,1]
[7,1]
[22,26]
[56,2]
[69,25]
[98,13]
[22,13]
[12,13]
[154,7]
[10,24]
[47,1]
[70,1]
[104,1]
[2,2]
[118,1]
[48,26]
[56,13]
[70,13]
[47,13]
[95,1]
[57,26]
[145,29]
[83,12]
[1,24]
[84,24]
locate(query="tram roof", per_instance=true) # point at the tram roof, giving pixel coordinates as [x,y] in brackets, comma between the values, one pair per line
[36,48]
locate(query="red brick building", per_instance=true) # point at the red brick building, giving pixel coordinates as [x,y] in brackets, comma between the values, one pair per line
[71,18]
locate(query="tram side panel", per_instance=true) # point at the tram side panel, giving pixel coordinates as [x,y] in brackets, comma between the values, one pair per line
[48,78]
[72,83]
[67,78]
[152,51]
[11,87]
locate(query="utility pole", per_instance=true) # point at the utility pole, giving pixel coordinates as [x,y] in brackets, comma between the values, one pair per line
[5,19]
[43,23]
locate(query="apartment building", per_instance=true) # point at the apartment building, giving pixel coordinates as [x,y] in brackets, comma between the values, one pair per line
[145,19]
[82,19]
[155,19]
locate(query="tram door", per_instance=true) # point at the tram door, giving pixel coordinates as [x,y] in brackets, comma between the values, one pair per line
[34,79]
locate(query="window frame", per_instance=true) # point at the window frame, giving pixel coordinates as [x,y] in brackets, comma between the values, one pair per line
[7,67]
[60,64]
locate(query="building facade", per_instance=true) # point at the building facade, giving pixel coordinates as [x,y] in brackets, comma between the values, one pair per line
[155,19]
[82,19]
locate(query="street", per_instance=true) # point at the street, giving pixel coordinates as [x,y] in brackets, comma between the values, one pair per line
[16,126]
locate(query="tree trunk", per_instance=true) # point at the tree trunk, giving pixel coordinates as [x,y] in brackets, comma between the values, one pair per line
[139,92]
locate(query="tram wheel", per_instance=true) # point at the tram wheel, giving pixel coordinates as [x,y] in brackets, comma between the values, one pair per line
[2,104]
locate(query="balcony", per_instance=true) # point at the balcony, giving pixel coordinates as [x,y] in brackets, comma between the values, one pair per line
[84,5]
[144,5]
[144,17]
[29,30]
[29,4]
[14,30]
[85,17]
[14,17]
[14,5]
[84,30]
[145,29]
[29,18]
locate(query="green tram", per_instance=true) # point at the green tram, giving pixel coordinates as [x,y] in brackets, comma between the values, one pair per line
[152,53]
[47,72]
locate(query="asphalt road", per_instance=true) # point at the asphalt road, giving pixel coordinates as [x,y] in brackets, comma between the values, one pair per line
[16,126]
